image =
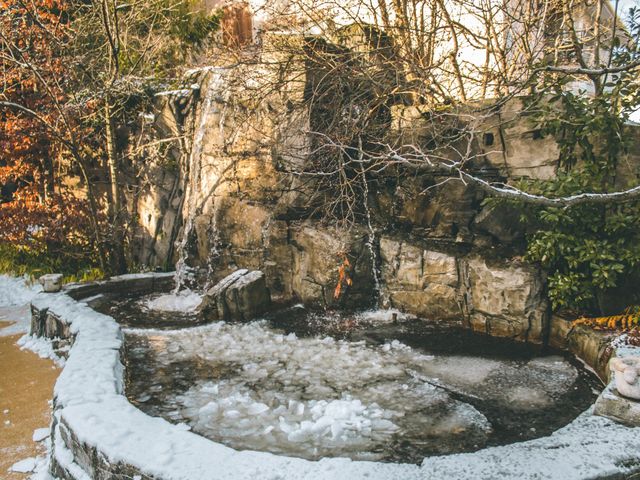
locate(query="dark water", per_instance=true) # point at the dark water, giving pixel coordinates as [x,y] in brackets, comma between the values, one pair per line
[523,393]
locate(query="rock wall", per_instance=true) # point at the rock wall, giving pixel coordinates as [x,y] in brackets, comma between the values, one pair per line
[232,196]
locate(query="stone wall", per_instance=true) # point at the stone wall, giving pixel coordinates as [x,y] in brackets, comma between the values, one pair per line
[98,434]
[437,250]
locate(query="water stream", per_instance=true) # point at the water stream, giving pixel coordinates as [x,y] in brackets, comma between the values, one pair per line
[194,204]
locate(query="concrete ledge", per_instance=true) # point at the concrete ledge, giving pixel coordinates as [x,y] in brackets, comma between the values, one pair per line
[131,283]
[98,434]
[612,405]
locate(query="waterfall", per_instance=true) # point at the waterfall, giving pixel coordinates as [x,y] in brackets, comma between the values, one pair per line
[371,236]
[194,173]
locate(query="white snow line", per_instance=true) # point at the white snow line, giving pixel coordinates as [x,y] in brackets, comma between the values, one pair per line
[89,401]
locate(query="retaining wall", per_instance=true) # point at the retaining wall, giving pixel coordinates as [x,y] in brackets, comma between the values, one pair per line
[98,434]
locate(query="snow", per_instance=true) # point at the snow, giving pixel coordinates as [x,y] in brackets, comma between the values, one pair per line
[24,466]
[37,467]
[41,346]
[39,434]
[89,401]
[183,301]
[589,447]
[17,290]
[15,295]
[183,92]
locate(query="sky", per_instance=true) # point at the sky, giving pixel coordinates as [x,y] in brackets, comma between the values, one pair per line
[626,4]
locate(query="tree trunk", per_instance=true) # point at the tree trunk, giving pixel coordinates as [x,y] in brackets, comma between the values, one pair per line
[117,257]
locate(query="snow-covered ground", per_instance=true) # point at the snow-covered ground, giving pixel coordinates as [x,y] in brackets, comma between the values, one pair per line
[15,295]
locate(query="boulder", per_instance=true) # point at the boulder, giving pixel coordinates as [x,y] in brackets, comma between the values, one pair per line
[242,295]
[506,299]
[502,222]
[317,254]
[419,281]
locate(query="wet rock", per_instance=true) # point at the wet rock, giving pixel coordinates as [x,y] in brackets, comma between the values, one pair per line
[593,347]
[559,331]
[423,282]
[500,221]
[317,254]
[242,295]
[506,299]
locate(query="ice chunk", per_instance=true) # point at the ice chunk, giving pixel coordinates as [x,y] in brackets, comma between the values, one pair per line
[40,434]
[24,466]
[183,301]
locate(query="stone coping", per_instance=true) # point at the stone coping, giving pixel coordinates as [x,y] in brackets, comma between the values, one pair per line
[98,434]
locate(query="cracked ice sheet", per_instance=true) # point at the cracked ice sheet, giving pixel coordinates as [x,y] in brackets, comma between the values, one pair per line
[309,397]
[527,384]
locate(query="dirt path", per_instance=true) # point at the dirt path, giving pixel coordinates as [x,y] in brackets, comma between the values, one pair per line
[26,386]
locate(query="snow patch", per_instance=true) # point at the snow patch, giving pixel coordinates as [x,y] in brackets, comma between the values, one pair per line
[183,301]
[15,295]
[39,434]
[17,290]
[27,465]
[43,347]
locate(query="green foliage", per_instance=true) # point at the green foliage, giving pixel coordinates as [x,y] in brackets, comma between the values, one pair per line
[20,261]
[587,249]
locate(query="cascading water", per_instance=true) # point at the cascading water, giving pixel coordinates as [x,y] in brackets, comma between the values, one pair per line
[213,89]
[371,236]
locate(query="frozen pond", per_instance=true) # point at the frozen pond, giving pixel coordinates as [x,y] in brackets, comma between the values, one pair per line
[359,385]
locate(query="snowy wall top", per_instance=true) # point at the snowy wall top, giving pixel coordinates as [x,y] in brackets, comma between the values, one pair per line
[97,432]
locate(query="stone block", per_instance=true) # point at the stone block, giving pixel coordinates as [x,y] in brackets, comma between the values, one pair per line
[510,296]
[51,282]
[242,295]
[434,302]
[439,268]
[612,405]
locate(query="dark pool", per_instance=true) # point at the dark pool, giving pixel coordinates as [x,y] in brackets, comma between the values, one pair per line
[366,385]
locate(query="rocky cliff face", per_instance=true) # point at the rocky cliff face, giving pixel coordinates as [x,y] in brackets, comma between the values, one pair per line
[231,195]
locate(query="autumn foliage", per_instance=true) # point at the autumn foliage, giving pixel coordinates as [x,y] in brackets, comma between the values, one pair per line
[39,214]
[344,279]
[629,320]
